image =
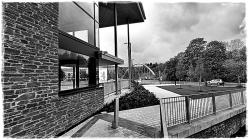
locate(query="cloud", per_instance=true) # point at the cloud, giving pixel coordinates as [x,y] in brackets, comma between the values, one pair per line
[176,17]
[170,27]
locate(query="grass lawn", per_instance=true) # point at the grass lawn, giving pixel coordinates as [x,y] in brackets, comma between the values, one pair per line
[190,89]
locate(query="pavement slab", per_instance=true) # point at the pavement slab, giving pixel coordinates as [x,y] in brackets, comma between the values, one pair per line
[159,92]
[103,128]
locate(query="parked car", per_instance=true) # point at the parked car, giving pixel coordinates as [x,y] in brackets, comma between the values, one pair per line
[216,82]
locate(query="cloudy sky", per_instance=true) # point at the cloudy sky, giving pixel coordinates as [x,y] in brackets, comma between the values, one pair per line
[169,27]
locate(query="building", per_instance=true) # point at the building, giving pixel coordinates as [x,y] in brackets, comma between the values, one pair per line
[51,60]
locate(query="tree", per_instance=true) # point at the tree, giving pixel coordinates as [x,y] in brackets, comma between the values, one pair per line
[83,74]
[191,72]
[195,48]
[180,72]
[171,69]
[236,67]
[199,70]
[236,61]
[214,57]
[235,44]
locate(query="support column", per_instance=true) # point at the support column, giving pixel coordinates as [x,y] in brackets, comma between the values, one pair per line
[129,53]
[115,121]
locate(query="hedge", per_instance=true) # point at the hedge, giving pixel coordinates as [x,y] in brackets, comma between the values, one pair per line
[139,97]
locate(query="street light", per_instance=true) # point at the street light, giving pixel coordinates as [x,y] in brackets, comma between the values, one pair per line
[129,63]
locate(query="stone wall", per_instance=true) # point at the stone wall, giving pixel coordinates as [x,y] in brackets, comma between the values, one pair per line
[224,129]
[32,107]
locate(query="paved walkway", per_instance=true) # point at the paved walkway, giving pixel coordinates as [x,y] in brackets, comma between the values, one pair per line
[103,128]
[149,116]
[159,92]
[134,123]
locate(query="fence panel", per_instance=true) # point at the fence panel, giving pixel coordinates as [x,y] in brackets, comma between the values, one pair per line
[201,105]
[222,101]
[175,110]
[236,98]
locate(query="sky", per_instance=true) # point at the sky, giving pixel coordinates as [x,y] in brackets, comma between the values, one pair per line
[169,27]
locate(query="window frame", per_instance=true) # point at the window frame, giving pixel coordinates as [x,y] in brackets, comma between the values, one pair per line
[94,79]
[77,88]
[77,72]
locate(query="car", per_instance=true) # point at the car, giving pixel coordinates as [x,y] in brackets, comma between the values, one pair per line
[216,82]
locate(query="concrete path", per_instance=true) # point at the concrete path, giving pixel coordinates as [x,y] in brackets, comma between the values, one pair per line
[134,123]
[149,116]
[103,128]
[141,122]
[159,92]
[100,126]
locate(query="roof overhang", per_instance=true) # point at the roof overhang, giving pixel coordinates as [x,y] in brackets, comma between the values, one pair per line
[125,10]
[71,43]
[108,59]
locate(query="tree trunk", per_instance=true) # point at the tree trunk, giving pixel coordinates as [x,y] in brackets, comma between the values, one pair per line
[179,84]
[200,83]
[239,80]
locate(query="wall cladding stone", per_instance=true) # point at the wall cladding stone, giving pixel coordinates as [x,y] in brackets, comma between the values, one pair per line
[32,107]
[224,129]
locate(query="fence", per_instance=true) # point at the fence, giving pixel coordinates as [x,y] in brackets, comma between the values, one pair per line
[185,83]
[184,109]
[109,87]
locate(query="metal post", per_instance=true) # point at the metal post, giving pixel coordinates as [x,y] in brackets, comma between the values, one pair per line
[115,122]
[77,74]
[230,100]
[74,86]
[242,97]
[214,104]
[188,115]
[163,119]
[129,52]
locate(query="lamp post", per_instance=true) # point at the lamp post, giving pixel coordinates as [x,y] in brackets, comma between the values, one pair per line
[129,63]
[116,111]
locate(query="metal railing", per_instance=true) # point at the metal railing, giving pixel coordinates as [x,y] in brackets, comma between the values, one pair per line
[109,87]
[184,109]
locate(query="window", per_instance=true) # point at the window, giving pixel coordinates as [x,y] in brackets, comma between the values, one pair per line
[74,70]
[87,6]
[75,21]
[78,65]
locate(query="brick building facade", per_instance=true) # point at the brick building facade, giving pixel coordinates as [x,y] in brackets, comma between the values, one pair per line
[33,105]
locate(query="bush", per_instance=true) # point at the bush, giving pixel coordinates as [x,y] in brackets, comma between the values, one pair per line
[139,97]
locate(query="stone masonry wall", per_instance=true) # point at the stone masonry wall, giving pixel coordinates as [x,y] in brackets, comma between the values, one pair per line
[32,107]
[224,129]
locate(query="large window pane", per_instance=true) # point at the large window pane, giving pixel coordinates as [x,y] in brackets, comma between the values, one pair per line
[68,77]
[74,19]
[74,70]
[83,71]
[83,77]
[87,6]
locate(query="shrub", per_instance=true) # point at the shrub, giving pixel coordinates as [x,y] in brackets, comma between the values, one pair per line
[139,97]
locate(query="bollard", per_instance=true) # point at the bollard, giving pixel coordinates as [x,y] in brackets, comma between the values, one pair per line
[214,104]
[188,115]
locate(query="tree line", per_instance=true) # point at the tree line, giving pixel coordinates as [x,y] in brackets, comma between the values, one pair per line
[203,61]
